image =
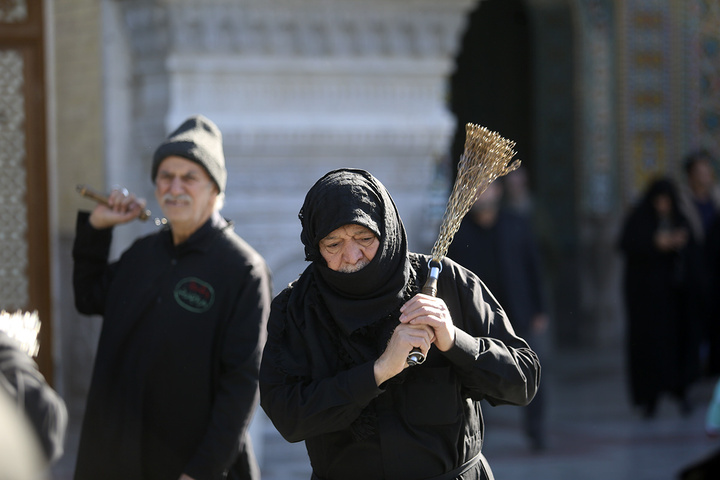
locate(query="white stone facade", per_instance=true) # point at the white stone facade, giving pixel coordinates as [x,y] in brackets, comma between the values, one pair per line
[298,87]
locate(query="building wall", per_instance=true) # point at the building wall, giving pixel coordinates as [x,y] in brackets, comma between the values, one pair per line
[78,103]
[77,153]
[638,93]
[297,87]
[297,91]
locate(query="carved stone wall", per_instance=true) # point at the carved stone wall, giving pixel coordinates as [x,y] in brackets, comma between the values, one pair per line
[298,88]
[13,189]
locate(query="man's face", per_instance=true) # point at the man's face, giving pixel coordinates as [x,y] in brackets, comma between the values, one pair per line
[185,192]
[702,175]
[349,248]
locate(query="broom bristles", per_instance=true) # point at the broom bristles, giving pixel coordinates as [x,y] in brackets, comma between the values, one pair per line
[23,329]
[486,156]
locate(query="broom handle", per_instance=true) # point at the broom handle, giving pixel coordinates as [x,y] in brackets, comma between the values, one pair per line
[87,192]
[416,357]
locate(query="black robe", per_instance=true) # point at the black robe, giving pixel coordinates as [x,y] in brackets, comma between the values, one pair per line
[420,424]
[175,379]
[327,329]
[662,329]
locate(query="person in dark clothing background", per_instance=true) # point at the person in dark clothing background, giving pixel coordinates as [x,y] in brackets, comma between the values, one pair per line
[699,197]
[499,246]
[334,371]
[174,385]
[700,203]
[35,401]
[663,327]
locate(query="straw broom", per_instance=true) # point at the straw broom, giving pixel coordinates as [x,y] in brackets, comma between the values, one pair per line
[23,328]
[486,157]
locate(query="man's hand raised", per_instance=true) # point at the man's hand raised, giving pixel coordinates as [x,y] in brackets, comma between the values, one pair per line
[121,207]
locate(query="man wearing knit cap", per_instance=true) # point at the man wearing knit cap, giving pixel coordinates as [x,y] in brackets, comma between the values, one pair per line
[174,385]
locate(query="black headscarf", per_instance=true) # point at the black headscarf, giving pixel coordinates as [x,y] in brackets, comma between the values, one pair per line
[334,320]
[352,196]
[643,220]
[645,208]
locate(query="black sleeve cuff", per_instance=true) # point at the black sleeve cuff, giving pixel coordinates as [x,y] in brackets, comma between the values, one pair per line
[465,350]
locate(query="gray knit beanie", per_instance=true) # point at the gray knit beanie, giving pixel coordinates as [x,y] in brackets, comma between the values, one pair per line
[199,140]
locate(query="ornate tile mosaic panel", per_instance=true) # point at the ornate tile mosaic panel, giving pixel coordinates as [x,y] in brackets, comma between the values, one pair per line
[708,45]
[12,11]
[651,73]
[598,145]
[13,209]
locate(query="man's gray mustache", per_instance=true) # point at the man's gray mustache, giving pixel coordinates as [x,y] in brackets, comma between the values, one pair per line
[176,198]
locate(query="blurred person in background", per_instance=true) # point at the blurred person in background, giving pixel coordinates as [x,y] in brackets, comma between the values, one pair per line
[33,417]
[499,245]
[700,195]
[21,456]
[660,290]
[700,203]
[174,385]
[520,199]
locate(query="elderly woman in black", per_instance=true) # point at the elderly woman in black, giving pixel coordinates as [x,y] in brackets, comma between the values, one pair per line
[334,371]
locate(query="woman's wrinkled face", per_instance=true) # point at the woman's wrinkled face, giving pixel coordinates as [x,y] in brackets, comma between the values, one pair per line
[349,248]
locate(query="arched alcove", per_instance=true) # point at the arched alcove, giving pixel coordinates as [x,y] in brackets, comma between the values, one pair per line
[514,74]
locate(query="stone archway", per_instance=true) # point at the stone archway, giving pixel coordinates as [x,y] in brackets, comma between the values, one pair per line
[492,81]
[515,74]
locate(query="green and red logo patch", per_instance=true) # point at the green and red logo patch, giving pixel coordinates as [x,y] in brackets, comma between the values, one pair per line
[194,294]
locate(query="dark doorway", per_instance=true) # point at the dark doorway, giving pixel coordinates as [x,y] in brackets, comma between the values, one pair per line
[492,82]
[515,75]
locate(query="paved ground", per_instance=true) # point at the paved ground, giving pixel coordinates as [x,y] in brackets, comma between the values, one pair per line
[593,434]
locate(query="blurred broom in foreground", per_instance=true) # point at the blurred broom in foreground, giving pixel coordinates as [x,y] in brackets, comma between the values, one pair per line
[23,328]
[486,157]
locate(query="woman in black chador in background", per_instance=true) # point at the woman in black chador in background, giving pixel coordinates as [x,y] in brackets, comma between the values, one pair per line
[662,331]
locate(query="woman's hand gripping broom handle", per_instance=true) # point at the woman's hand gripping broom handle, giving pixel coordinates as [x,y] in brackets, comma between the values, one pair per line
[416,357]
